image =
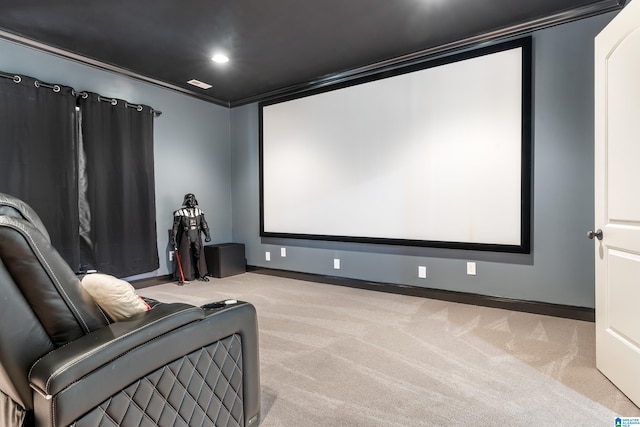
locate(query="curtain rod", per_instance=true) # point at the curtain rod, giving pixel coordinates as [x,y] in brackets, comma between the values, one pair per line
[56,88]
[16,78]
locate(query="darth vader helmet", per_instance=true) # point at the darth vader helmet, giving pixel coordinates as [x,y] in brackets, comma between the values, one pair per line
[190,200]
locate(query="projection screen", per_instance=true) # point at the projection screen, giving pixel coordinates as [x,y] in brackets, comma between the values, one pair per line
[437,154]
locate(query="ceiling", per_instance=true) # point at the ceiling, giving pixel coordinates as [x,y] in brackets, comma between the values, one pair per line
[275,47]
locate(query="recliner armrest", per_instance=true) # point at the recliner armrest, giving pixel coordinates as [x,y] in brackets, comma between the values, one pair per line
[65,365]
[72,381]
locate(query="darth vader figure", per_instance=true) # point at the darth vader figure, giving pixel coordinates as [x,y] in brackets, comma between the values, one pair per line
[186,239]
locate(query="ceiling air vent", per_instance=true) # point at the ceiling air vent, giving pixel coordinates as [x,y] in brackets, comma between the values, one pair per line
[198,83]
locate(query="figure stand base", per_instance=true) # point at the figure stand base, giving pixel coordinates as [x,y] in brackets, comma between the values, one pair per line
[186,282]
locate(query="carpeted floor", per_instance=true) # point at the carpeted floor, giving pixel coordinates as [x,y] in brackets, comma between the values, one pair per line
[337,356]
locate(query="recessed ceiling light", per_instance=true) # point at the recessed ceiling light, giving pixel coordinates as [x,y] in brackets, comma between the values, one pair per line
[220,58]
[198,83]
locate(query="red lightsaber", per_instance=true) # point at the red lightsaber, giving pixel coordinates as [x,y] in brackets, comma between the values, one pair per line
[179,266]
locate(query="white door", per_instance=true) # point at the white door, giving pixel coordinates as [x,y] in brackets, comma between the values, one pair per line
[617,200]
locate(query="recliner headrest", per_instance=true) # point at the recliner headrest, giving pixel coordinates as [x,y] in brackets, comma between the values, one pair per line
[14,207]
[56,296]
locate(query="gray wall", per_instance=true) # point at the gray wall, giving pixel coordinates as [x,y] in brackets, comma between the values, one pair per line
[213,152]
[560,268]
[192,151]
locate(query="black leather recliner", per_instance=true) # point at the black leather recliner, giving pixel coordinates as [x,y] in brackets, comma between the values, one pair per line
[64,362]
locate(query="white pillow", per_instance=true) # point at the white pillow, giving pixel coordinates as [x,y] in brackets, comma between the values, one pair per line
[115,296]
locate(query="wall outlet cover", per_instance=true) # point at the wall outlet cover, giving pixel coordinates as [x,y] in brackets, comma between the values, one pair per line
[422,272]
[471,268]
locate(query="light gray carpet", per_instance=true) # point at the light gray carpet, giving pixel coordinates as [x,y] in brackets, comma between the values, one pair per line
[337,356]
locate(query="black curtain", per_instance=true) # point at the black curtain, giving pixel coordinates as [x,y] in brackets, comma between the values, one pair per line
[117,140]
[38,155]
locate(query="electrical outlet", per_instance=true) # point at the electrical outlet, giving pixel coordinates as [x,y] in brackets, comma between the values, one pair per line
[267,256]
[422,272]
[170,255]
[283,252]
[336,263]
[471,268]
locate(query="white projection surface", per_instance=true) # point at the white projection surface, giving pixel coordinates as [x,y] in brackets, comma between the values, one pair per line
[432,155]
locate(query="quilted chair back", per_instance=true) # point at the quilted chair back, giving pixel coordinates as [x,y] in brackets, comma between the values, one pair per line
[42,304]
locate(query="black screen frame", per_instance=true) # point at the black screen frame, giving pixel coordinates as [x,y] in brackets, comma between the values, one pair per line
[526,152]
